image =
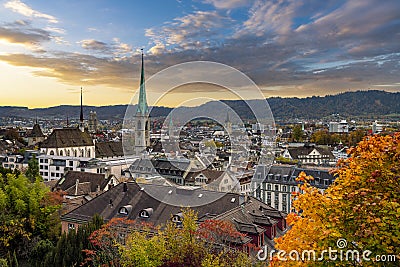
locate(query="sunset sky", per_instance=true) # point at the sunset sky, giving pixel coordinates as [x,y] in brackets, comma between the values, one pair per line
[49,49]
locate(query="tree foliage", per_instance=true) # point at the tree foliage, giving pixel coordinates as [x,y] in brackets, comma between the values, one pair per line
[27,214]
[32,173]
[69,249]
[362,207]
[188,244]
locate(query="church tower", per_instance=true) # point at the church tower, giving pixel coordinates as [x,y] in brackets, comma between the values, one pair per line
[142,125]
[228,124]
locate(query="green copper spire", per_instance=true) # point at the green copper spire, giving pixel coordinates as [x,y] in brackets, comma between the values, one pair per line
[142,107]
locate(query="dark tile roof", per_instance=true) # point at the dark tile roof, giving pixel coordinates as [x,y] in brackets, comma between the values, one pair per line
[170,201]
[109,149]
[35,132]
[286,174]
[295,152]
[67,137]
[253,211]
[88,183]
[211,175]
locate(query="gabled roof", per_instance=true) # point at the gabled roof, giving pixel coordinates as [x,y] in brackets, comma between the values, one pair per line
[35,132]
[252,211]
[109,149]
[140,197]
[211,175]
[67,137]
[87,182]
[295,152]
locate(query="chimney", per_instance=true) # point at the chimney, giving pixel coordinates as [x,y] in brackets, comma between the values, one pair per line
[76,187]
[125,188]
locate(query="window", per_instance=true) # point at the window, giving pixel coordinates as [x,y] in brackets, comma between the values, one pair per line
[284,188]
[71,226]
[51,153]
[41,160]
[57,168]
[61,153]
[225,181]
[71,163]
[284,207]
[269,187]
[276,187]
[144,214]
[293,189]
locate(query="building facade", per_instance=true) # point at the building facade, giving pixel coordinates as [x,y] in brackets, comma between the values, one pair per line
[279,181]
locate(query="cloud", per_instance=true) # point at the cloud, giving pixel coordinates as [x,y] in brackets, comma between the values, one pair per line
[23,9]
[56,30]
[77,69]
[91,44]
[270,17]
[20,32]
[117,49]
[200,29]
[287,47]
[228,4]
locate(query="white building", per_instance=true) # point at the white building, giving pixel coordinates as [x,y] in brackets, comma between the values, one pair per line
[339,127]
[279,181]
[70,142]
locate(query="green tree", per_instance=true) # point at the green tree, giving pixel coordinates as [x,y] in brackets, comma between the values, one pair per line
[32,173]
[25,215]
[297,133]
[70,249]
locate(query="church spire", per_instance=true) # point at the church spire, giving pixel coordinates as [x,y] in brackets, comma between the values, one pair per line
[81,125]
[142,107]
[81,115]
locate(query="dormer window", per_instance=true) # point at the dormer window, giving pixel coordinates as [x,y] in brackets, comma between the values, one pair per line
[125,210]
[146,213]
[177,218]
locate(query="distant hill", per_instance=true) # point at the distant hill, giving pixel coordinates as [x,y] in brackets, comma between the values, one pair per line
[366,104]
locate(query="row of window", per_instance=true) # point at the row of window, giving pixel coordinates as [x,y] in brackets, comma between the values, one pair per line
[75,153]
[284,188]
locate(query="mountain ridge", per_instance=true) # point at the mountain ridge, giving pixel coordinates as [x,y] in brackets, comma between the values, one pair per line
[348,104]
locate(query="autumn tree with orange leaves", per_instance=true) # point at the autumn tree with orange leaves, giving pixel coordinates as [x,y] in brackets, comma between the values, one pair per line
[361,209]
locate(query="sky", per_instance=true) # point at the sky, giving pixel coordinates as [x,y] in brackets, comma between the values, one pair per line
[289,48]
